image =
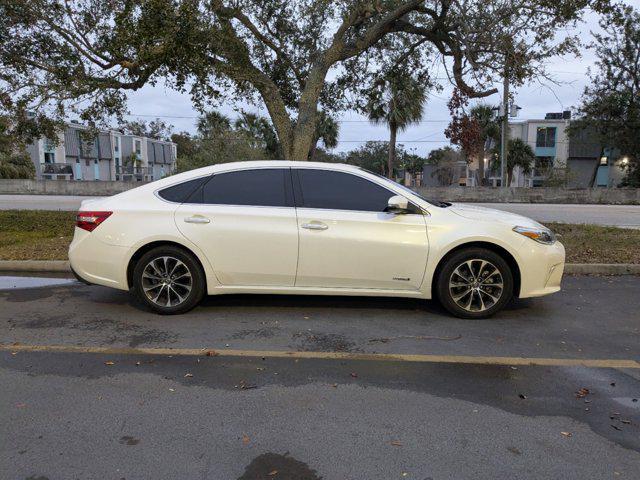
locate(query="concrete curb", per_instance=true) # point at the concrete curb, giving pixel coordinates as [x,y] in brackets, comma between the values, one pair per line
[34,266]
[602,269]
[569,268]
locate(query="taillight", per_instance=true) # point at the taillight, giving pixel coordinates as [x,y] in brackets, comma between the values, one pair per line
[90,220]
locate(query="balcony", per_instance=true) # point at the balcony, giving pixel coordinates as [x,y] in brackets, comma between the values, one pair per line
[56,171]
[132,173]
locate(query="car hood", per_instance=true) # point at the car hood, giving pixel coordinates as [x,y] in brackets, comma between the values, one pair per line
[473,212]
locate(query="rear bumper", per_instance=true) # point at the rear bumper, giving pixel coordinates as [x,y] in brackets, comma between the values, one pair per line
[79,278]
[94,262]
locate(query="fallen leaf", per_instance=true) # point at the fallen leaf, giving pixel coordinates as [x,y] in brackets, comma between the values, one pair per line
[396,443]
[616,427]
[523,397]
[109,363]
[566,434]
[335,385]
[188,375]
[583,392]
[137,364]
[172,389]
[272,473]
[212,353]
[354,374]
[627,422]
[245,439]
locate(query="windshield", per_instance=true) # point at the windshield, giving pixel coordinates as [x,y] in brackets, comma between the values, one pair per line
[432,201]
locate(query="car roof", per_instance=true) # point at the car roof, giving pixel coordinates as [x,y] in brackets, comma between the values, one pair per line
[285,163]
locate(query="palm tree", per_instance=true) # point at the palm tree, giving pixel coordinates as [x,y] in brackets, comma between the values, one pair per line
[327,131]
[519,154]
[488,128]
[397,101]
[212,122]
[260,130]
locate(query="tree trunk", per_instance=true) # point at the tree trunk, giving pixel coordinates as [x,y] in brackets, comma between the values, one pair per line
[312,151]
[393,128]
[481,168]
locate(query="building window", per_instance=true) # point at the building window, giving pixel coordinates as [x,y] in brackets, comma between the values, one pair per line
[546,137]
[138,147]
[49,151]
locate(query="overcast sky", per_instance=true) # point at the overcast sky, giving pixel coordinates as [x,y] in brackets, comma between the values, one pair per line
[535,100]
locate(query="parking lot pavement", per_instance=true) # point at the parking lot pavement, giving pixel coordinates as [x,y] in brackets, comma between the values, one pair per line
[109,411]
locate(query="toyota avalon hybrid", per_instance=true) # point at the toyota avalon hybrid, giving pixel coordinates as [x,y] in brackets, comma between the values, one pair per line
[308,228]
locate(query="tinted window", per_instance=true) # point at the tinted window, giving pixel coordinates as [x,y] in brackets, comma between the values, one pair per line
[180,192]
[341,191]
[261,187]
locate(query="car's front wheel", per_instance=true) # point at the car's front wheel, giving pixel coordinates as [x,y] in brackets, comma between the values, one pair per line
[474,283]
[169,280]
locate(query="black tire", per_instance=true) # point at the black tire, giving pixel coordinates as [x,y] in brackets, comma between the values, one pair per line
[450,286]
[189,299]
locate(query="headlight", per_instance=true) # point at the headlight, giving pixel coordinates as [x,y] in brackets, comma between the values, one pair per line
[540,235]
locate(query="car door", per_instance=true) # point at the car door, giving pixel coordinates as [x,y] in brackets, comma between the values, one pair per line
[347,240]
[245,223]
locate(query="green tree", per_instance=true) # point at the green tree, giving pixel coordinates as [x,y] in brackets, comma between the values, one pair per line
[397,101]
[412,163]
[473,131]
[327,131]
[520,155]
[158,129]
[14,158]
[219,140]
[611,104]
[296,57]
[212,123]
[260,129]
[447,161]
[372,156]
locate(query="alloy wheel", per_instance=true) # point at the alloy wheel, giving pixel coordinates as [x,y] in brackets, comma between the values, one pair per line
[476,285]
[167,281]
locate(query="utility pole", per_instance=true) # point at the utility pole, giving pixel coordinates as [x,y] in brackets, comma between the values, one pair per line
[505,126]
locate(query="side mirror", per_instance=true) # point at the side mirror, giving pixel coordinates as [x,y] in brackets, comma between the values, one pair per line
[398,205]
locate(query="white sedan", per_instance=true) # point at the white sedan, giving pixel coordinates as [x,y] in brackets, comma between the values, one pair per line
[308,228]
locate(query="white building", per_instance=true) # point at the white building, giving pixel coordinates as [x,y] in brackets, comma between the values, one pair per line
[110,155]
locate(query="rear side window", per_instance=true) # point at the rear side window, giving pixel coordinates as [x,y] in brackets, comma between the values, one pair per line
[265,187]
[180,193]
[341,191]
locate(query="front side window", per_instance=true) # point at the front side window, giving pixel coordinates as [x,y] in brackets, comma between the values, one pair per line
[341,191]
[546,137]
[265,187]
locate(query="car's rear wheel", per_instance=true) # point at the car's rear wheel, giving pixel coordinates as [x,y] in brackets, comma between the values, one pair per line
[169,280]
[474,283]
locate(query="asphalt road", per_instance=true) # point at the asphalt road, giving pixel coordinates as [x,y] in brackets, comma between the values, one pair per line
[615,215]
[111,411]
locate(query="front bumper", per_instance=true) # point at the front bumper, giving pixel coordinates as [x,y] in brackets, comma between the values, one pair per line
[541,269]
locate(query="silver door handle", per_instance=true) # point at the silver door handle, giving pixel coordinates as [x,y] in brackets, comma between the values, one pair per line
[315,226]
[197,219]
